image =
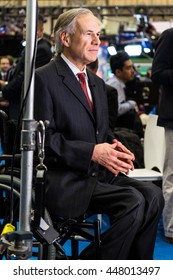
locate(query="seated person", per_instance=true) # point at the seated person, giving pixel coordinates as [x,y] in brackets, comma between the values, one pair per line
[88,172]
[123,71]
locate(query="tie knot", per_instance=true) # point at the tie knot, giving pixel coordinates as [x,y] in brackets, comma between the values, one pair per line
[81,76]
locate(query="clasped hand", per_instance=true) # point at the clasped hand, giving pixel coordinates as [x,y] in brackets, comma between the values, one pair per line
[115,157]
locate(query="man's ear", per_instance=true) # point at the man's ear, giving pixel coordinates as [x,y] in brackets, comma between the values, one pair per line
[118,72]
[65,38]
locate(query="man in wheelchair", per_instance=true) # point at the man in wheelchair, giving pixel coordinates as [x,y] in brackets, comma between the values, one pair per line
[89,167]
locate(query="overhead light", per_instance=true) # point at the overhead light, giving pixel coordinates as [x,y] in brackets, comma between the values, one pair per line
[22,12]
[147,50]
[133,50]
[111,50]
[23,43]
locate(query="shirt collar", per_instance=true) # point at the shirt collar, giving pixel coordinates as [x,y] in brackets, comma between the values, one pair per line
[121,83]
[73,67]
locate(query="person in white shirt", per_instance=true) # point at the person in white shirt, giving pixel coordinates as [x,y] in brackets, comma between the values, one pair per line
[123,71]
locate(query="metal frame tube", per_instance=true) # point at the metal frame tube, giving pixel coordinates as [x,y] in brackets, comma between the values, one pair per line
[27,152]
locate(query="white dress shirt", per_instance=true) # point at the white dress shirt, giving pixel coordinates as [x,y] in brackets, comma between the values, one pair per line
[123,105]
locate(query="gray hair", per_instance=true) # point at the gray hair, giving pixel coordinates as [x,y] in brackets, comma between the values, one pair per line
[67,22]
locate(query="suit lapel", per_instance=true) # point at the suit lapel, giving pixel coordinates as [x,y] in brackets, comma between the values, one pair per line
[69,81]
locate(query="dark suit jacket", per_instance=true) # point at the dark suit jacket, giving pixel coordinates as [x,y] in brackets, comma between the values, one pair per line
[112,96]
[44,54]
[162,75]
[12,91]
[71,135]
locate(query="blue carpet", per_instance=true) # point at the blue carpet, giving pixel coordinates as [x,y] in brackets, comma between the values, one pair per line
[163,250]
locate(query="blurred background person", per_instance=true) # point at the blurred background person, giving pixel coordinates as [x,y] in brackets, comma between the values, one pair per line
[44,53]
[162,75]
[12,91]
[112,96]
[123,71]
[6,62]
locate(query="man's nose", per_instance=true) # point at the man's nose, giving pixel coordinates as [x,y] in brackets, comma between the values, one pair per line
[96,39]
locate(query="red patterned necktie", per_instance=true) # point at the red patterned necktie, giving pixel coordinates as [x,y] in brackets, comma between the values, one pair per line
[82,79]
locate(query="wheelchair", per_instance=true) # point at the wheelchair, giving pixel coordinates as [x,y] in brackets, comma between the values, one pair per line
[49,235]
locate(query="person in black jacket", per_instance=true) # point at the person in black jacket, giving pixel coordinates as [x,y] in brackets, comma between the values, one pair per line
[112,96]
[12,92]
[86,174]
[162,75]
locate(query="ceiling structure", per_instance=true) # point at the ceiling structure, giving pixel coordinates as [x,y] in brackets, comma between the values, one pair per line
[114,14]
[102,8]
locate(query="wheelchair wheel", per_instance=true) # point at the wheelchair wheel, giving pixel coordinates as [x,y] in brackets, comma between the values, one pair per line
[48,252]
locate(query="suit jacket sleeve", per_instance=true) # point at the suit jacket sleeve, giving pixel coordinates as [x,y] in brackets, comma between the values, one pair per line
[43,55]
[112,96]
[162,67]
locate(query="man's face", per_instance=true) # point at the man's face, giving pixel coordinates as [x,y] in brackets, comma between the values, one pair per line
[4,64]
[127,73]
[24,29]
[82,47]
[39,30]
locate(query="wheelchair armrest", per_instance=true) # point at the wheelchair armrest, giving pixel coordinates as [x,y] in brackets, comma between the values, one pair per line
[6,157]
